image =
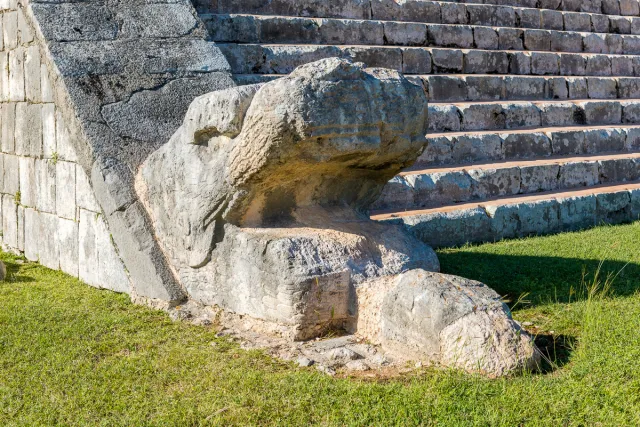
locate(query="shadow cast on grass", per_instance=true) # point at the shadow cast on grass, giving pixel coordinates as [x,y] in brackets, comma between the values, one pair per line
[556,351]
[544,279]
[12,277]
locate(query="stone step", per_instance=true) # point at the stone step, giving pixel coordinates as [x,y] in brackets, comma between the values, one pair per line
[460,184]
[607,7]
[520,216]
[330,31]
[495,146]
[436,12]
[497,115]
[494,87]
[429,11]
[282,59]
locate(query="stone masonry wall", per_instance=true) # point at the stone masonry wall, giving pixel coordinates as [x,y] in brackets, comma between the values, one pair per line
[124,73]
[48,208]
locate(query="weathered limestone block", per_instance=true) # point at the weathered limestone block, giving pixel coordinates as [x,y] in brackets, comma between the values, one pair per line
[444,118]
[445,229]
[437,188]
[534,179]
[473,148]
[9,221]
[568,142]
[526,145]
[486,183]
[67,234]
[397,194]
[577,212]
[65,193]
[259,201]
[283,155]
[578,174]
[613,208]
[448,320]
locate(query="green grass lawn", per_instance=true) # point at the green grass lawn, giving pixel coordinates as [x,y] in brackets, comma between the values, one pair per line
[73,355]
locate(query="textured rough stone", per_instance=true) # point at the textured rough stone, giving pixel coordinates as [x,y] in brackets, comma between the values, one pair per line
[65,193]
[246,202]
[28,188]
[445,229]
[16,75]
[438,188]
[487,183]
[534,179]
[527,145]
[67,234]
[568,142]
[578,174]
[452,321]
[604,140]
[8,123]
[45,183]
[577,212]
[443,118]
[473,148]
[9,221]
[10,174]
[613,207]
[397,194]
[88,252]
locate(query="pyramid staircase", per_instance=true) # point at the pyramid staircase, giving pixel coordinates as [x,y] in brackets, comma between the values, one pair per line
[534,117]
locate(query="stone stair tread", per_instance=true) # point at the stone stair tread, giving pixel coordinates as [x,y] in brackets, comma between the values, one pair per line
[397,33]
[509,200]
[439,11]
[464,50]
[554,160]
[532,130]
[534,101]
[463,76]
[367,8]
[210,15]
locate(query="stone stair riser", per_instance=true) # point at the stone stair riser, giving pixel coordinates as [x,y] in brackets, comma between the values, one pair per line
[452,88]
[469,184]
[471,148]
[293,30]
[493,222]
[515,115]
[553,14]
[274,59]
[443,88]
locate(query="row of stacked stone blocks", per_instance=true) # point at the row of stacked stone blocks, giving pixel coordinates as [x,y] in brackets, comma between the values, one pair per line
[47,205]
[282,59]
[458,149]
[492,12]
[523,114]
[494,221]
[441,88]
[433,189]
[260,29]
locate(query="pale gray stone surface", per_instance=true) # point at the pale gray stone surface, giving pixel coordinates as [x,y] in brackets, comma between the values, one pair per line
[244,203]
[88,252]
[453,321]
[9,221]
[45,185]
[65,190]
[151,67]
[28,190]
[68,238]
